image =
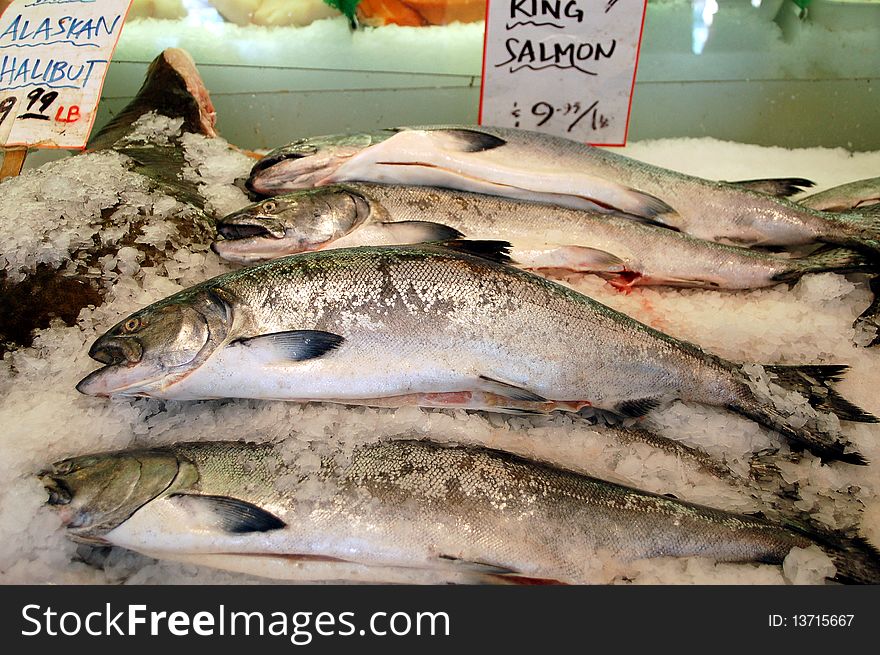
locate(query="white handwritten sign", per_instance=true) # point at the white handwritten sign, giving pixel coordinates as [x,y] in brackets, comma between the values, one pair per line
[53,58]
[565,67]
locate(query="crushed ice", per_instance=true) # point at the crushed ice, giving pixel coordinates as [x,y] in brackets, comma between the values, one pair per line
[45,419]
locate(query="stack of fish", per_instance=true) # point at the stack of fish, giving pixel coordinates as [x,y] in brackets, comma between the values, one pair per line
[401,282]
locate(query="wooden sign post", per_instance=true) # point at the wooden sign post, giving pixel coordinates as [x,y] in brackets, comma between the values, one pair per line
[13,160]
[54,56]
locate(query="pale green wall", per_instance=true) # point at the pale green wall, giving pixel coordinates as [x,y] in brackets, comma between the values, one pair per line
[765,77]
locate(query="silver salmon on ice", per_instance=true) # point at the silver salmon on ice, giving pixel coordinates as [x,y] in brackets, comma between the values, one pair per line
[428,325]
[393,511]
[534,166]
[853,195]
[543,237]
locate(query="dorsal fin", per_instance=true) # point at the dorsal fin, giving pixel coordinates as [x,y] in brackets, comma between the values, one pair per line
[494,251]
[780,187]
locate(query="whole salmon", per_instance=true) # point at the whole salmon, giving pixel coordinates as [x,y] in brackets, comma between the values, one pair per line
[552,169]
[543,237]
[431,325]
[392,511]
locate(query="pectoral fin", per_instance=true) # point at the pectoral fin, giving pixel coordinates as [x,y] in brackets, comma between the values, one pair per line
[579,259]
[648,206]
[294,345]
[229,514]
[508,390]
[668,281]
[495,573]
[476,566]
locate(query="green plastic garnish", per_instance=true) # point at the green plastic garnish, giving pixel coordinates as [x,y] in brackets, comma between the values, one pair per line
[347,7]
[800,3]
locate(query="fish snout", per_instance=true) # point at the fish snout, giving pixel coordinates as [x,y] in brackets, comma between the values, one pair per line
[121,355]
[270,160]
[61,499]
[92,384]
[249,184]
[255,184]
[265,182]
[59,492]
[116,350]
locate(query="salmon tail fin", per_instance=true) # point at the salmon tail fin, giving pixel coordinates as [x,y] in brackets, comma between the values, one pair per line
[819,442]
[831,260]
[858,229]
[774,397]
[813,381]
[856,559]
[869,320]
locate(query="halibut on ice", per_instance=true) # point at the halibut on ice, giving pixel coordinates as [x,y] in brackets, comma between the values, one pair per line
[534,166]
[61,222]
[543,237]
[433,325]
[401,511]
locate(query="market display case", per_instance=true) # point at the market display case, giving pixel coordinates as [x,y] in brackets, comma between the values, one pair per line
[653,364]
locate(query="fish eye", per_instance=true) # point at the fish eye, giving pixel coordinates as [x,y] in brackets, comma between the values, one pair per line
[131,325]
[269,206]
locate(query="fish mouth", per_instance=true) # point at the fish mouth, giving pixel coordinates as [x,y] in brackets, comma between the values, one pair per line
[291,172]
[250,250]
[248,242]
[116,379]
[237,231]
[117,351]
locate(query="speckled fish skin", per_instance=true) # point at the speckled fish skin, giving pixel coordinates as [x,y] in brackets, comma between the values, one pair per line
[543,237]
[398,505]
[419,325]
[852,195]
[426,319]
[534,166]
